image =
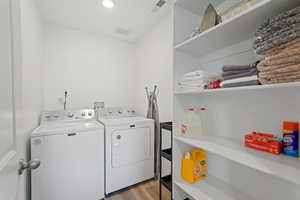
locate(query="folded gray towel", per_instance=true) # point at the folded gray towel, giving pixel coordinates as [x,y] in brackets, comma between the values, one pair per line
[251,72]
[229,68]
[237,67]
[247,83]
[229,73]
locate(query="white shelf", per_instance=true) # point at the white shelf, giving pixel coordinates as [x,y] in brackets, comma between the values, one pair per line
[256,87]
[236,29]
[281,166]
[211,188]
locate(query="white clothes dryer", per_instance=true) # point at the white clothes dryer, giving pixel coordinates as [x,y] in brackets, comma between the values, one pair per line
[129,148]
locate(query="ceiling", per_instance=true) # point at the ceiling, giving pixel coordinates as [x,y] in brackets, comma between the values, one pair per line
[128,20]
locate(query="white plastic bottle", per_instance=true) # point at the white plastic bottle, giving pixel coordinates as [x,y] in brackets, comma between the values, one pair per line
[191,125]
[202,113]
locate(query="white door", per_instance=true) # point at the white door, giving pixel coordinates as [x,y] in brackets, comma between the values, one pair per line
[10,95]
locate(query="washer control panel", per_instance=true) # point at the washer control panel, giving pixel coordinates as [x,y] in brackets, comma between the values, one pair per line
[67,115]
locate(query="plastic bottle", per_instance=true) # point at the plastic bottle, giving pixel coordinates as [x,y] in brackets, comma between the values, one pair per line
[192,124]
[202,113]
[291,138]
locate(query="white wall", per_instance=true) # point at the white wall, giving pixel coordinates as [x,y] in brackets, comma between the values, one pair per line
[92,66]
[32,48]
[155,66]
[154,60]
[32,51]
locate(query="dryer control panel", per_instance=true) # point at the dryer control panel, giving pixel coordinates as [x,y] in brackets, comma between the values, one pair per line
[115,112]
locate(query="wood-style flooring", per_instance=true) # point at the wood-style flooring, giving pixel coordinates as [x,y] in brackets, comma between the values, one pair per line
[144,191]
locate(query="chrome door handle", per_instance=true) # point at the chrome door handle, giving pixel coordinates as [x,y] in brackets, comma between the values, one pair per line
[31,165]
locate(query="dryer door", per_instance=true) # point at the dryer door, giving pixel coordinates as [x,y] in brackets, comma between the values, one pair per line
[130,146]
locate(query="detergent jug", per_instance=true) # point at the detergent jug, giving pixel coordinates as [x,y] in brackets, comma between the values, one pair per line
[194,166]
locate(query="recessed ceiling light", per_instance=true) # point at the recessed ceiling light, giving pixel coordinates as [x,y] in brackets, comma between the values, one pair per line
[108,3]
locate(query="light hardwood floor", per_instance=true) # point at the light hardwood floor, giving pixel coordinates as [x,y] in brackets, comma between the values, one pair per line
[144,191]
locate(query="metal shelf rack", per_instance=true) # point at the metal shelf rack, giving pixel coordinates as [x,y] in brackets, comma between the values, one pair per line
[166,181]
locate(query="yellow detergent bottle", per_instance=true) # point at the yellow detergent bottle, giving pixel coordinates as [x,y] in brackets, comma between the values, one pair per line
[194,166]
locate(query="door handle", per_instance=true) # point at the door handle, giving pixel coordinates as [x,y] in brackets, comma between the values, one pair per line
[30,165]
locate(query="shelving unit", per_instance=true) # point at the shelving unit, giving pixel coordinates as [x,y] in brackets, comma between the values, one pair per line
[247,22]
[261,161]
[167,182]
[234,171]
[167,154]
[212,188]
[249,88]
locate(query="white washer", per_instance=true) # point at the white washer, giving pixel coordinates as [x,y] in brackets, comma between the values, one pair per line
[70,146]
[129,148]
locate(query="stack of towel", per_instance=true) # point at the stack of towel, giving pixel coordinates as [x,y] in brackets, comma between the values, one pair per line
[240,75]
[278,45]
[197,80]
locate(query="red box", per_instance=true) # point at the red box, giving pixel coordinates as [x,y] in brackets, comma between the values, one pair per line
[264,142]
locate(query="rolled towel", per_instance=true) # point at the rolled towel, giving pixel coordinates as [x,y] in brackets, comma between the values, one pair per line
[271,21]
[276,41]
[288,28]
[292,44]
[277,25]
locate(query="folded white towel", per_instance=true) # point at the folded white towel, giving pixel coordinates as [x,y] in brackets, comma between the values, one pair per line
[190,79]
[191,88]
[193,83]
[202,74]
[240,80]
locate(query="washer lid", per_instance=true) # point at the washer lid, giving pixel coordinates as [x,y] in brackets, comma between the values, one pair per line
[123,121]
[63,128]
